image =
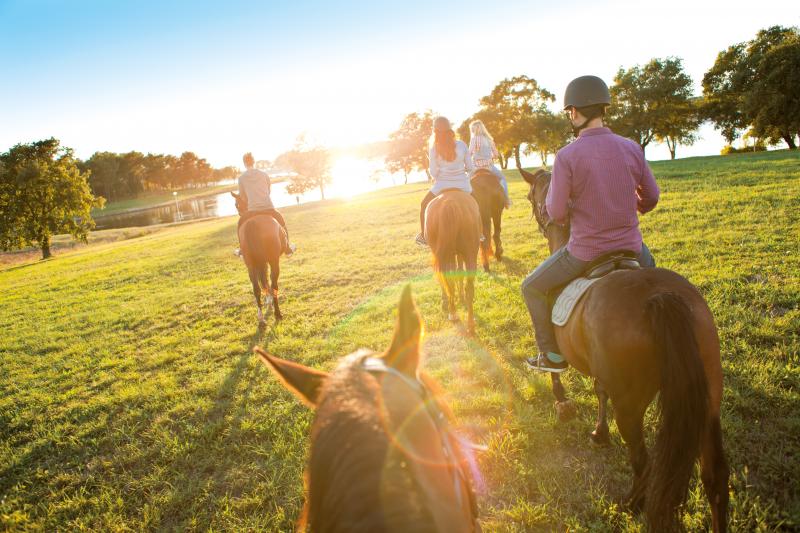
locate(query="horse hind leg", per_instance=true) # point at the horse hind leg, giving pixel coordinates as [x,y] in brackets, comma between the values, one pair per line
[714,473]
[630,424]
[254,280]
[486,243]
[274,272]
[498,245]
[600,434]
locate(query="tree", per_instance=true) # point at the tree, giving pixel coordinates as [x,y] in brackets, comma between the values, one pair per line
[754,85]
[654,102]
[549,132]
[408,146]
[508,110]
[680,126]
[311,164]
[42,193]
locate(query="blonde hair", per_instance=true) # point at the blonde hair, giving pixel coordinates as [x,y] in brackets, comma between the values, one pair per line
[248,160]
[476,127]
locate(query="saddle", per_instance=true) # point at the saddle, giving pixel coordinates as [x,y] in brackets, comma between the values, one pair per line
[603,265]
[607,263]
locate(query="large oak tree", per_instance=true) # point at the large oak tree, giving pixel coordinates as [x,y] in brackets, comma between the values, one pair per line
[43,193]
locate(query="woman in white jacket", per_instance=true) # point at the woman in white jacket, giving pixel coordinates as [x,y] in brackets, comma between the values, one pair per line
[483,152]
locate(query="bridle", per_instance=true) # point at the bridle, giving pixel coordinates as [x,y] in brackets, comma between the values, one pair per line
[539,209]
[461,480]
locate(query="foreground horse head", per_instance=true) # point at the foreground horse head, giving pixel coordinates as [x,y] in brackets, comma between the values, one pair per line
[488,192]
[262,241]
[453,231]
[383,456]
[640,333]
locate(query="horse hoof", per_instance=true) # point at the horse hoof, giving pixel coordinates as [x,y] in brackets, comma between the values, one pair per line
[565,410]
[452,317]
[278,318]
[486,268]
[600,438]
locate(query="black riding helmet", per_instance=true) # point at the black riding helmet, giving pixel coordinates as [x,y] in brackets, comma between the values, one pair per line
[586,91]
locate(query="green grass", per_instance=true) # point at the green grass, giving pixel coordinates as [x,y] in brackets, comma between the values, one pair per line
[130,400]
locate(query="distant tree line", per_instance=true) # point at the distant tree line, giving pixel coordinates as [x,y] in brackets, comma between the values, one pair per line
[116,176]
[750,91]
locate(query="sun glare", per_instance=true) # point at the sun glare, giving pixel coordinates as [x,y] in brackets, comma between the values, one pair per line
[352,176]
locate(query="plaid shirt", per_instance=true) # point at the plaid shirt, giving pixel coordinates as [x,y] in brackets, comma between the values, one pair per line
[483,151]
[599,182]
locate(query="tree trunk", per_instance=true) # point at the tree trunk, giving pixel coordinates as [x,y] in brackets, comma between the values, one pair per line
[322,190]
[406,175]
[672,145]
[516,156]
[44,243]
[790,141]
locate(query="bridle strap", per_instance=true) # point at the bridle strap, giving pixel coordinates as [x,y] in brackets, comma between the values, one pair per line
[376,365]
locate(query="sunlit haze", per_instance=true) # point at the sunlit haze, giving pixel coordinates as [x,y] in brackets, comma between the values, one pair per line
[220,79]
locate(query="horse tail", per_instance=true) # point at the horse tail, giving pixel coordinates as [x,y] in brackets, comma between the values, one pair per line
[256,256]
[683,408]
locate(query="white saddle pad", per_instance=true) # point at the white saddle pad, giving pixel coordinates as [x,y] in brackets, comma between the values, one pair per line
[568,298]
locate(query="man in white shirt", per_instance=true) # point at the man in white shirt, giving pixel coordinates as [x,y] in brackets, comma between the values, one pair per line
[255,185]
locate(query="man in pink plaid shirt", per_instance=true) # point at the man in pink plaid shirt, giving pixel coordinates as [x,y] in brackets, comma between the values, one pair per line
[599,182]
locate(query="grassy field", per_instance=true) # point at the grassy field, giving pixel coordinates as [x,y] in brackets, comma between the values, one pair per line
[130,400]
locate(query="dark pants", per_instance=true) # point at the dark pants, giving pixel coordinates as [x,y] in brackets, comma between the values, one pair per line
[425,201]
[271,212]
[556,271]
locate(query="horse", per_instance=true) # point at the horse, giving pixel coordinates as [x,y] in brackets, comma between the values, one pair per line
[453,231]
[639,333]
[384,457]
[262,242]
[488,192]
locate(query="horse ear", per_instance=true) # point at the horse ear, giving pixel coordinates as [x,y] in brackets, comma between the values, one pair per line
[306,383]
[527,176]
[403,354]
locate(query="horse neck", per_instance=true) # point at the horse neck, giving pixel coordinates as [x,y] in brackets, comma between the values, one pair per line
[557,237]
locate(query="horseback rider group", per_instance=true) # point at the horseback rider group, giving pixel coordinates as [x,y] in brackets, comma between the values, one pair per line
[599,183]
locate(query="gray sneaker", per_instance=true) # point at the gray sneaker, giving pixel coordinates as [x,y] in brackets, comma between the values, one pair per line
[237,252]
[291,249]
[420,239]
[542,363]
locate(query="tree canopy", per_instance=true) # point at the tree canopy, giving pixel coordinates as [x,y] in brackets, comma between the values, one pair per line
[408,145]
[654,102]
[754,84]
[510,111]
[43,193]
[311,164]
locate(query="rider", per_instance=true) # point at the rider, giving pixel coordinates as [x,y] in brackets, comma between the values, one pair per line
[484,152]
[599,181]
[256,186]
[450,167]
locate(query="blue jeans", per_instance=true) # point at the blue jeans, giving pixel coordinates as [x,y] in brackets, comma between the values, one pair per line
[556,271]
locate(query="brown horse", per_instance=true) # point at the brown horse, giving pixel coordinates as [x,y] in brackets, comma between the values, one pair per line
[639,333]
[453,231]
[262,240]
[383,455]
[488,192]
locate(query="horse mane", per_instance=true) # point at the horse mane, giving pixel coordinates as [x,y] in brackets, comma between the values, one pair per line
[358,480]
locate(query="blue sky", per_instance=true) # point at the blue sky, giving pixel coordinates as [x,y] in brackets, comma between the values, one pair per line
[222,78]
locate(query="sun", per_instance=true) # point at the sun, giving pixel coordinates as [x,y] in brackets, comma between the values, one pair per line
[352,176]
